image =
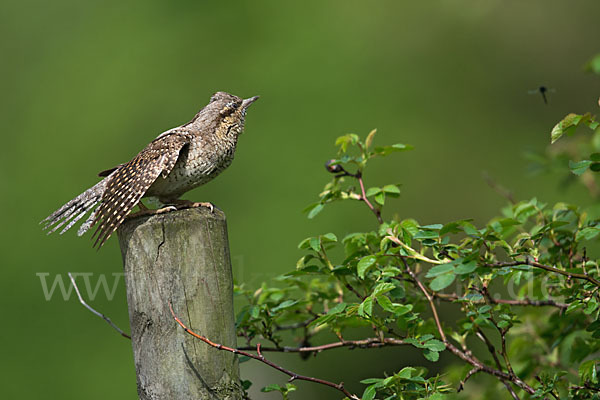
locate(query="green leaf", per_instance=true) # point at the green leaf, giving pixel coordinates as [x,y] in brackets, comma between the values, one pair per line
[484,309]
[394,308]
[346,140]
[568,122]
[370,137]
[271,388]
[467,268]
[365,309]
[380,198]
[439,269]
[372,191]
[406,372]
[579,167]
[431,355]
[323,319]
[435,227]
[315,243]
[337,309]
[371,380]
[386,150]
[369,393]
[245,383]
[364,264]
[383,287]
[392,190]
[426,234]
[435,345]
[411,226]
[314,210]
[503,324]
[284,304]
[441,282]
[593,65]
[595,156]
[305,244]
[587,233]
[385,303]
[328,238]
[588,371]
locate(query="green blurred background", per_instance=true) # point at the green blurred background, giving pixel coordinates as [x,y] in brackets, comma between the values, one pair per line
[87,84]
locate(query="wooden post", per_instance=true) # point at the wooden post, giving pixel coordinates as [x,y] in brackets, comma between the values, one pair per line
[181,257]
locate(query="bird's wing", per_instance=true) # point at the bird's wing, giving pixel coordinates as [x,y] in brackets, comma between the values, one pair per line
[130,182]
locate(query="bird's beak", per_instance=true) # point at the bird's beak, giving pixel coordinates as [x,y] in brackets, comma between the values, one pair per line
[249,101]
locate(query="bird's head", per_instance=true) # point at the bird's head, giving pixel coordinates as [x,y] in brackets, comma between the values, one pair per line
[231,112]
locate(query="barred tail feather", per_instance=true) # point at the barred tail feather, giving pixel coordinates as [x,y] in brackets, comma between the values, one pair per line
[75,209]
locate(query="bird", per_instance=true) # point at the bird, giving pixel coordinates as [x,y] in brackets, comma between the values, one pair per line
[177,161]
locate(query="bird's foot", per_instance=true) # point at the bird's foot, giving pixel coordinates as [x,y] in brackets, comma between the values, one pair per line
[182,204]
[147,211]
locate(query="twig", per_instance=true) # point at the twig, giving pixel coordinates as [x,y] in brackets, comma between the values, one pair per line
[259,357]
[297,325]
[412,252]
[464,355]
[362,344]
[358,176]
[502,332]
[99,314]
[522,302]
[544,267]
[429,299]
[364,198]
[492,351]
[502,191]
[472,372]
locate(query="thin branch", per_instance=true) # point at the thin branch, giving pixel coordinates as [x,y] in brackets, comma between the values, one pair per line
[297,325]
[522,302]
[259,357]
[472,372]
[364,198]
[502,332]
[544,267]
[362,344]
[353,290]
[341,172]
[413,253]
[429,299]
[466,355]
[492,351]
[99,314]
[501,190]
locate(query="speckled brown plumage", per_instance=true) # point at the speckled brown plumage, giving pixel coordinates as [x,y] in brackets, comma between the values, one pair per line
[177,161]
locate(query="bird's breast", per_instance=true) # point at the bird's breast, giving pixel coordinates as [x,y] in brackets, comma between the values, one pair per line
[198,163]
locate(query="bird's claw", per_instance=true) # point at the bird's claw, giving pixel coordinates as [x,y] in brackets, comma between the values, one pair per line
[148,211]
[196,204]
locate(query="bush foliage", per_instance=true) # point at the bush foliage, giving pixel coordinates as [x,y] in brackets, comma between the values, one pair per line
[540,341]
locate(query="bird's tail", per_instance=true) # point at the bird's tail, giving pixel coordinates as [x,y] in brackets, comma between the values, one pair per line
[76,209]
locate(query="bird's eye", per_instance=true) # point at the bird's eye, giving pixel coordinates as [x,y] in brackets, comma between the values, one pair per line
[229,108]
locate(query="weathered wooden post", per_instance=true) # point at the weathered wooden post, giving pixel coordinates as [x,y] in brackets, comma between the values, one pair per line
[181,257]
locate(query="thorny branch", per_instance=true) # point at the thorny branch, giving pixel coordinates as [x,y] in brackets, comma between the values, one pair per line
[522,302]
[549,268]
[99,314]
[361,344]
[464,355]
[337,168]
[364,198]
[259,357]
